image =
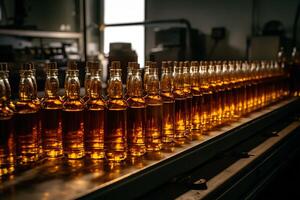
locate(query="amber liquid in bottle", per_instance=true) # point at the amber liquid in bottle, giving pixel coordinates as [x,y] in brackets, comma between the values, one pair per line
[153,112]
[7,144]
[136,112]
[115,138]
[94,118]
[51,115]
[136,129]
[153,126]
[94,127]
[72,117]
[52,128]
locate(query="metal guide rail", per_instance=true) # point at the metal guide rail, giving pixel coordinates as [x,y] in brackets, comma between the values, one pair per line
[86,179]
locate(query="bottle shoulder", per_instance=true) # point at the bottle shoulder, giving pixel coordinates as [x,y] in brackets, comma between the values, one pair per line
[73,105]
[153,99]
[95,104]
[136,102]
[23,107]
[117,104]
[55,103]
[167,96]
[6,112]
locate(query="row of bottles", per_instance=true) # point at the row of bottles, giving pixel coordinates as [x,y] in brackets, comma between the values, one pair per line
[185,103]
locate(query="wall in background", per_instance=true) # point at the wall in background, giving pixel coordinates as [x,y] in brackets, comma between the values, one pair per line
[235,15]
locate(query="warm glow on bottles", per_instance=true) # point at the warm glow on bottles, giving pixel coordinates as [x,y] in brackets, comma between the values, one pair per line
[51,115]
[94,116]
[153,110]
[115,139]
[168,104]
[72,116]
[136,111]
[196,100]
[27,119]
[180,104]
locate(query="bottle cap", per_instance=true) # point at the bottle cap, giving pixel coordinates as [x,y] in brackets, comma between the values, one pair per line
[133,65]
[27,66]
[115,65]
[51,65]
[93,65]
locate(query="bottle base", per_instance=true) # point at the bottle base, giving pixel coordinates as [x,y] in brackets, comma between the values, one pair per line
[74,155]
[136,150]
[115,156]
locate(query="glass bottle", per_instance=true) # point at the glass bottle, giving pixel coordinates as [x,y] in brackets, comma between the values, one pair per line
[180,104]
[168,104]
[72,116]
[226,89]
[136,111]
[206,92]
[94,120]
[153,110]
[215,96]
[51,114]
[196,101]
[7,137]
[27,119]
[115,141]
[189,96]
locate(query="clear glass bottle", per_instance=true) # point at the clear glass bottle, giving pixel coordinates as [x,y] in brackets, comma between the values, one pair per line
[27,119]
[51,114]
[180,104]
[153,111]
[136,111]
[168,117]
[94,120]
[7,137]
[115,141]
[72,116]
[196,101]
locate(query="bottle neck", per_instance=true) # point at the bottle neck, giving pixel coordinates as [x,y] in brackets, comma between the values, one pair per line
[26,86]
[166,80]
[115,87]
[72,85]
[134,83]
[95,86]
[52,84]
[153,84]
[178,78]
